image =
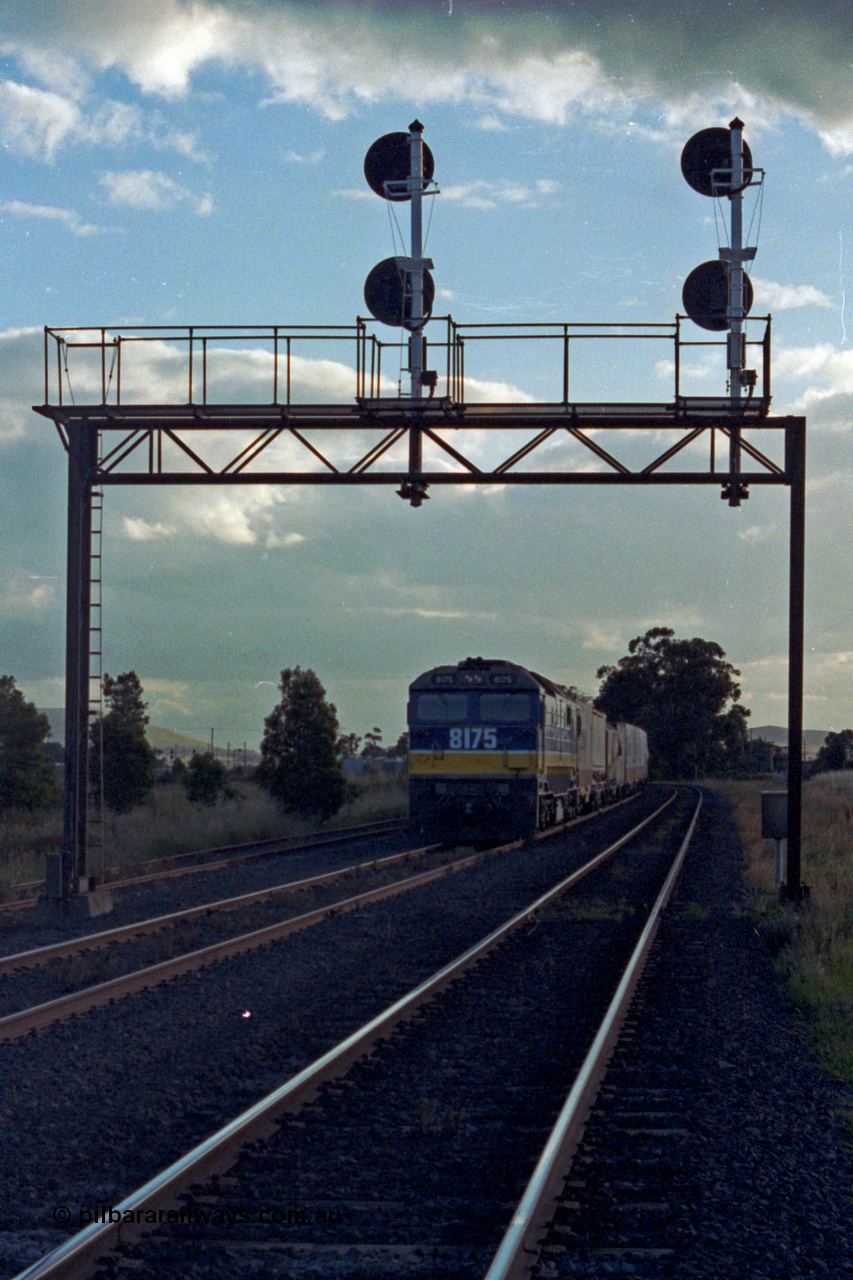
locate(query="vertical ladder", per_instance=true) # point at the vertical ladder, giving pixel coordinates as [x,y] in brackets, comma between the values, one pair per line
[95,850]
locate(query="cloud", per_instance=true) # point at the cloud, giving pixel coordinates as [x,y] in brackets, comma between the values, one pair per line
[231,518]
[277,541]
[391,595]
[69,218]
[15,419]
[294,157]
[757,533]
[826,369]
[35,122]
[39,123]
[481,194]
[245,516]
[28,595]
[634,67]
[691,368]
[612,635]
[478,391]
[839,140]
[609,636]
[817,484]
[788,297]
[158,47]
[491,124]
[427,615]
[21,379]
[146,190]
[167,697]
[825,665]
[139,530]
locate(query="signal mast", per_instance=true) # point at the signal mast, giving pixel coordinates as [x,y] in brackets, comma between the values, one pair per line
[399,291]
[718,294]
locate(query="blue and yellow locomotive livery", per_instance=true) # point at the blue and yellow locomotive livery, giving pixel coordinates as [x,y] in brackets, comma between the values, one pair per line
[497,751]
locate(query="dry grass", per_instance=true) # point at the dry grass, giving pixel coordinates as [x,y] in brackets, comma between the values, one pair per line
[167,824]
[24,840]
[813,945]
[378,797]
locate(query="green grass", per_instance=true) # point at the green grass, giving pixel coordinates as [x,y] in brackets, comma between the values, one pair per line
[812,945]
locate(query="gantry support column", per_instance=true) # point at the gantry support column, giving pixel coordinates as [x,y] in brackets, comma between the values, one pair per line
[795,466]
[82,463]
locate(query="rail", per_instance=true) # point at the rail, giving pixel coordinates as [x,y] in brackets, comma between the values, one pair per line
[192,862]
[15,1025]
[38,956]
[517,1252]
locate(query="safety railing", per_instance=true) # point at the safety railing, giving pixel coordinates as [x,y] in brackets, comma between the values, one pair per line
[295,364]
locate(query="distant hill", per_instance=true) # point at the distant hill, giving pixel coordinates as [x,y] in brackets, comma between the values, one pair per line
[813,739]
[160,739]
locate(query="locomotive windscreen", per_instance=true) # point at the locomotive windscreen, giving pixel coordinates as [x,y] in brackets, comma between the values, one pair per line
[505,708]
[482,708]
[441,708]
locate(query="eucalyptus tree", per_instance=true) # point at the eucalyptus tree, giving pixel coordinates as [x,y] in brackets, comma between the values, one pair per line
[685,695]
[300,763]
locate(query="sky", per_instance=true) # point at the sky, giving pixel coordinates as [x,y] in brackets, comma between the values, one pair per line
[200,163]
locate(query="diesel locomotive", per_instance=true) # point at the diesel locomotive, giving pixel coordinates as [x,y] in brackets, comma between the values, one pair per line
[497,751]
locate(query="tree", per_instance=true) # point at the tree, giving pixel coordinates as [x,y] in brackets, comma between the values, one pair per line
[372,748]
[679,691]
[348,745]
[128,757]
[299,760]
[204,778]
[124,697]
[836,752]
[27,774]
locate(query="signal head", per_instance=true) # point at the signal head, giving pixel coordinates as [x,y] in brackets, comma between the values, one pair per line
[705,296]
[388,160]
[387,298]
[707,150]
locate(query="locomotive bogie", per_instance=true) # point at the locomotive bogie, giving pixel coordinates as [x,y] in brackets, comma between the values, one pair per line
[496,751]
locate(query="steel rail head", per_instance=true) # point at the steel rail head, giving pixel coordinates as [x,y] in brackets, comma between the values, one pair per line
[73,1258]
[38,956]
[253,849]
[518,1252]
[15,1025]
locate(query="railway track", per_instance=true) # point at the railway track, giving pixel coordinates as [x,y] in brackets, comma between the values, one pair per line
[546,1187]
[79,1002]
[203,860]
[506,975]
[55,1002]
[37,957]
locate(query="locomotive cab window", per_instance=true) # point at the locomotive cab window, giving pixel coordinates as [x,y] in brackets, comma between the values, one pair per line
[504,708]
[442,708]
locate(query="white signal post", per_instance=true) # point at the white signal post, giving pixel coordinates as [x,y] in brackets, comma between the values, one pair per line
[416,491]
[416,186]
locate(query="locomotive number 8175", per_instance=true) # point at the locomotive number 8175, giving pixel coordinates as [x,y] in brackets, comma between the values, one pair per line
[497,751]
[469,739]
